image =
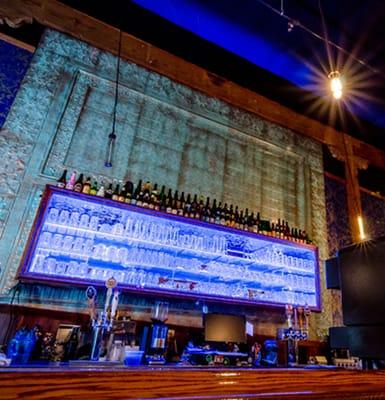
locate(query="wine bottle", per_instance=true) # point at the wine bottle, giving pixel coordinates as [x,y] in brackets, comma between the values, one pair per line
[174,204]
[94,188]
[218,214]
[129,192]
[181,204]
[79,184]
[236,218]
[187,206]
[223,214]
[194,206]
[226,215]
[115,193]
[122,193]
[241,221]
[153,197]
[109,191]
[163,203]
[213,212]
[206,211]
[61,182]
[169,202]
[101,192]
[87,186]
[71,183]
[136,193]
[246,220]
[257,223]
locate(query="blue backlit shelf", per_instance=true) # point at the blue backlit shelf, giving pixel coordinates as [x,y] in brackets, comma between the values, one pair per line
[86,239]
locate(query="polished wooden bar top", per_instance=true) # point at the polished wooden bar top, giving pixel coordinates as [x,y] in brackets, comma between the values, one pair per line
[188,383]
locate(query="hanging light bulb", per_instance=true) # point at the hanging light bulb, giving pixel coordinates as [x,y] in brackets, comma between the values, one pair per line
[335,84]
[110,150]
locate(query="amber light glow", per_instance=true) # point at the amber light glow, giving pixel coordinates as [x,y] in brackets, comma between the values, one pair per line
[335,84]
[361,227]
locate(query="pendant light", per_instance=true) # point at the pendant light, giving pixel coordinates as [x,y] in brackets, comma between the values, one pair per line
[112,136]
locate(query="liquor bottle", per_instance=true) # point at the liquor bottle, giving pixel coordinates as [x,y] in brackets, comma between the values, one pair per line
[231,221]
[257,223]
[287,231]
[136,193]
[236,218]
[94,188]
[241,221]
[206,211]
[296,235]
[101,192]
[129,192]
[139,198]
[218,214]
[251,222]
[227,215]
[199,208]
[61,182]
[181,204]
[153,197]
[71,183]
[174,204]
[213,212]
[174,207]
[169,202]
[194,206]
[292,233]
[87,186]
[79,184]
[116,192]
[187,206]
[272,230]
[163,203]
[158,199]
[122,193]
[224,211]
[109,191]
[246,220]
[300,238]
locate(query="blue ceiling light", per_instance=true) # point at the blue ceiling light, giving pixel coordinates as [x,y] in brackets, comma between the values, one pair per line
[196,18]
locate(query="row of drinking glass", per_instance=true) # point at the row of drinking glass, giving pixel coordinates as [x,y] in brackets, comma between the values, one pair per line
[142,278]
[138,228]
[271,256]
[145,257]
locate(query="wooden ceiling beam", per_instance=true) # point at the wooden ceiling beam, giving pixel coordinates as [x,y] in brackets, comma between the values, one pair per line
[65,19]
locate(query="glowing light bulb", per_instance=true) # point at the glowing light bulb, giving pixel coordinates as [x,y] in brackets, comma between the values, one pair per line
[335,84]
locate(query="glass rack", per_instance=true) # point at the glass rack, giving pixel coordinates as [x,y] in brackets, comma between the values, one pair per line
[86,239]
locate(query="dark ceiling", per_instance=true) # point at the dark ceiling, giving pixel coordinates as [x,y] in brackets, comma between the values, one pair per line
[354,25]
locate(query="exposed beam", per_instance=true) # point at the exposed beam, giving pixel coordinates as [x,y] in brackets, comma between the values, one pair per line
[17,43]
[63,18]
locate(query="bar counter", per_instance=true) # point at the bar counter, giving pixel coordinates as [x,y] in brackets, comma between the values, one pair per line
[188,383]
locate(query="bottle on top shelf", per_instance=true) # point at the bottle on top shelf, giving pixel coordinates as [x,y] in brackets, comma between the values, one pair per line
[71,183]
[147,195]
[61,182]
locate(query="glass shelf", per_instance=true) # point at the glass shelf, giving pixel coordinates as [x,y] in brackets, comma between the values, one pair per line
[87,239]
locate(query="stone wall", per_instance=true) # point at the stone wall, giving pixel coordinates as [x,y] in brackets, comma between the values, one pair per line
[167,133]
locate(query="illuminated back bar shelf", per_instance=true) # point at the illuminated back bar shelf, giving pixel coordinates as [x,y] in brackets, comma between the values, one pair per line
[85,239]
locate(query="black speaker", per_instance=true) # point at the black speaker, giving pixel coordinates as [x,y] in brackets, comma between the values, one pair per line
[339,337]
[332,270]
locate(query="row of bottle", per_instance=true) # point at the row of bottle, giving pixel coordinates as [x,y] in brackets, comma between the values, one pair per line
[147,195]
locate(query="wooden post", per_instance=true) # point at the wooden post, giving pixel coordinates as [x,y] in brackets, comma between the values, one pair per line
[345,152]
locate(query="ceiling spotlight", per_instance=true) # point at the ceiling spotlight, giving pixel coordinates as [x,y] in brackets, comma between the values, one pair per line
[335,84]
[290,26]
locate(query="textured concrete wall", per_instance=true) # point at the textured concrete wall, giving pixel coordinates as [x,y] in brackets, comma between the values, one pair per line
[167,133]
